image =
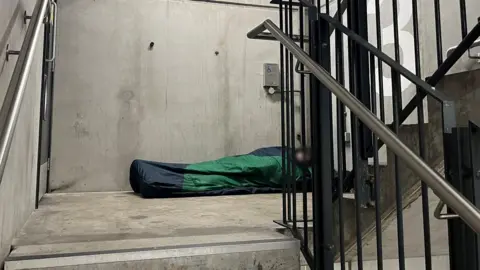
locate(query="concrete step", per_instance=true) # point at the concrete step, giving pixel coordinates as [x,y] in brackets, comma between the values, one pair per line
[123,231]
[229,251]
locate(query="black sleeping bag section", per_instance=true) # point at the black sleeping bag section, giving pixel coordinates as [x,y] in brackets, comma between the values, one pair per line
[257,172]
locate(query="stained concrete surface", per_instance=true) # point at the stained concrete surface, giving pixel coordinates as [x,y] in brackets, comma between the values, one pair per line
[257,260]
[99,221]
[83,217]
[267,250]
[17,188]
[92,227]
[117,100]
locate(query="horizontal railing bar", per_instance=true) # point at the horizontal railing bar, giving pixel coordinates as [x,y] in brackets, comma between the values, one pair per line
[13,98]
[456,201]
[267,36]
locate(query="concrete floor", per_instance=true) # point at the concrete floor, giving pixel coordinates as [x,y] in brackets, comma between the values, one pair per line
[120,229]
[81,217]
[100,221]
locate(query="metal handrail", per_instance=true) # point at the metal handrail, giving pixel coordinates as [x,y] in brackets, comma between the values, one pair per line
[16,89]
[54,43]
[439,215]
[456,201]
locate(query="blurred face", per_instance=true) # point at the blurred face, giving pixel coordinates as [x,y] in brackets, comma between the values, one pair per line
[303,157]
[300,156]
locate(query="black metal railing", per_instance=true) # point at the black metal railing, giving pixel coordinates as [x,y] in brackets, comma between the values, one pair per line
[342,161]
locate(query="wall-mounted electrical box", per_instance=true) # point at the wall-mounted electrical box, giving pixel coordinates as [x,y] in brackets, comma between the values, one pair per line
[271,76]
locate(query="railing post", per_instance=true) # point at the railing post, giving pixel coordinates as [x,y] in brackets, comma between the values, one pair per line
[362,140]
[462,170]
[474,139]
[359,23]
[322,150]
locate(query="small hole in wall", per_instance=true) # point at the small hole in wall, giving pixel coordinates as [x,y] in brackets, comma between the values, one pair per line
[217,53]
[151,45]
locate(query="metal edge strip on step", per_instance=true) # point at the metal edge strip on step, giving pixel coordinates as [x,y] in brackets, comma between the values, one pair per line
[83,258]
[128,244]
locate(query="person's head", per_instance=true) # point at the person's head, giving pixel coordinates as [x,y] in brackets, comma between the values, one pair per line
[303,157]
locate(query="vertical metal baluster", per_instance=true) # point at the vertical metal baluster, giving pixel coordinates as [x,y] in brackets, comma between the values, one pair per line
[339,57]
[327,125]
[355,137]
[287,112]
[313,90]
[357,181]
[282,112]
[396,95]
[303,134]
[356,142]
[376,171]
[438,32]
[396,43]
[463,18]
[292,126]
[314,130]
[421,141]
[380,63]
[323,168]
[314,126]
[363,87]
[397,107]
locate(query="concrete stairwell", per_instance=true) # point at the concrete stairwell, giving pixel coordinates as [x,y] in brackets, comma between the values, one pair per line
[123,231]
[119,230]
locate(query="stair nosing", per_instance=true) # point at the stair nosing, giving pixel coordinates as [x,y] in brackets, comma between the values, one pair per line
[108,256]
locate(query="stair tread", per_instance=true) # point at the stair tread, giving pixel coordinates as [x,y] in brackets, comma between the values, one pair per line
[120,230]
[132,245]
[87,217]
[181,255]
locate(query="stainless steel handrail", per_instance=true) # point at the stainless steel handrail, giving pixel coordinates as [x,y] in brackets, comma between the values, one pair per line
[456,201]
[16,89]
[54,19]
[439,215]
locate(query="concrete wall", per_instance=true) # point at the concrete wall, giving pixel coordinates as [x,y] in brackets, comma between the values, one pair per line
[17,190]
[116,100]
[196,95]
[95,136]
[451,33]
